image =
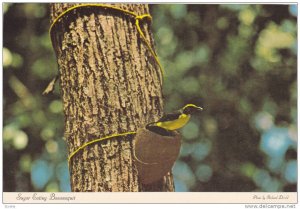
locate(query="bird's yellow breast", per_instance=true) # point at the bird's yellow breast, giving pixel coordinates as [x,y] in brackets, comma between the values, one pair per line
[174,124]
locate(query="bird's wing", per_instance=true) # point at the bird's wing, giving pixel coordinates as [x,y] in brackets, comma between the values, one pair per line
[170,116]
[160,131]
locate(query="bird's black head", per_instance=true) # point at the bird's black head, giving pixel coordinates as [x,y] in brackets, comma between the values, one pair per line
[191,109]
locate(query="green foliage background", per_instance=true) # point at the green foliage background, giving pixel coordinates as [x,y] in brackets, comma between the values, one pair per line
[237,61]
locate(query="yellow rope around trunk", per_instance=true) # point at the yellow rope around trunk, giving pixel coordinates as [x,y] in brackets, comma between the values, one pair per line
[131,14]
[98,140]
[137,18]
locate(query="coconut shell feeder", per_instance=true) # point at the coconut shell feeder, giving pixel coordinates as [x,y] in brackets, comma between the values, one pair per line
[155,154]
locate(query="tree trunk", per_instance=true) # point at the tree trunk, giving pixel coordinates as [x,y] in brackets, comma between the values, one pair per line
[110,83]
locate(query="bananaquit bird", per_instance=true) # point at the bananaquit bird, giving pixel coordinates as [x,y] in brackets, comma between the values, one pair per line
[173,121]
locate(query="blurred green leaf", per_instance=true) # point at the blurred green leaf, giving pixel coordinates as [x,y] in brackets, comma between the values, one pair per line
[248,169]
[190,131]
[178,10]
[56,106]
[25,163]
[203,173]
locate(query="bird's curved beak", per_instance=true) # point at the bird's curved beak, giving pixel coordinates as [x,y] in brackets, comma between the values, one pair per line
[199,108]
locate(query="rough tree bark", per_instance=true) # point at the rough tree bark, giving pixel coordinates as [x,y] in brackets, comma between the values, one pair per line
[110,83]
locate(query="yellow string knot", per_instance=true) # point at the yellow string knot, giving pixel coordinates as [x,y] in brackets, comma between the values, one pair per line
[140,17]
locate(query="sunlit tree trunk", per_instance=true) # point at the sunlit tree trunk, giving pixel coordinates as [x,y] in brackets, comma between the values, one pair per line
[110,83]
